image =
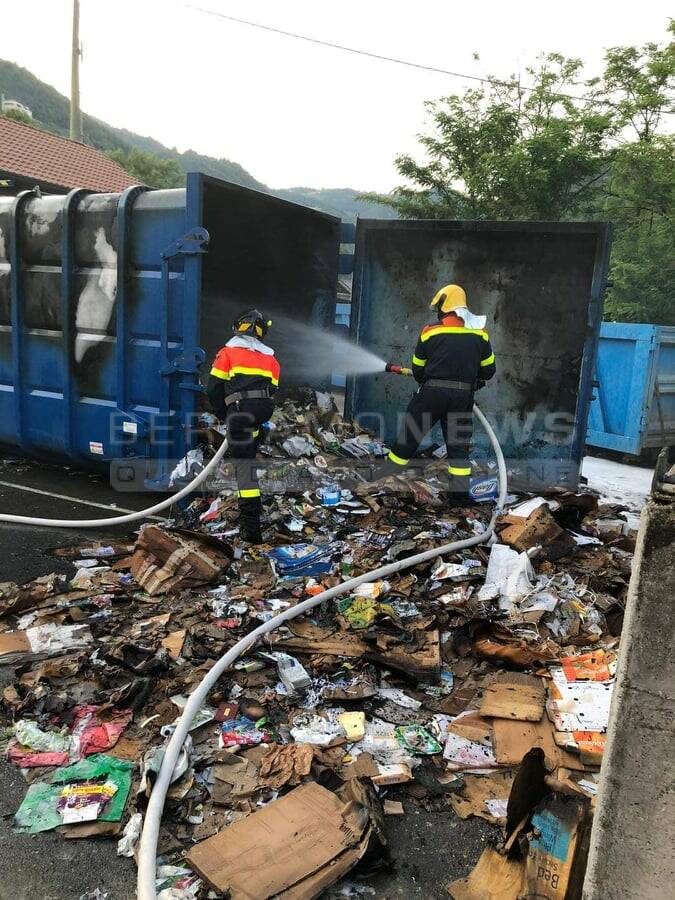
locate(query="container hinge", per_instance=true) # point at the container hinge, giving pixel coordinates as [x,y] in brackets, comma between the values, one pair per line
[195,241]
[188,362]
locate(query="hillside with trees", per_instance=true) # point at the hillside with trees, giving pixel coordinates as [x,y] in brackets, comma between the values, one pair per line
[51,111]
[152,162]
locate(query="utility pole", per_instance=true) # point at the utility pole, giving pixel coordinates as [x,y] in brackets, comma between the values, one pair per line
[75,114]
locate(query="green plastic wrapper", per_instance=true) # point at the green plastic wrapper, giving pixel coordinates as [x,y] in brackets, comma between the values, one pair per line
[417,740]
[39,810]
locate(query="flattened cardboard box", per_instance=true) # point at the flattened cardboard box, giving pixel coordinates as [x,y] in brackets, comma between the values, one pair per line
[295,847]
[42,641]
[14,645]
[165,561]
[538,529]
[422,661]
[512,740]
[514,696]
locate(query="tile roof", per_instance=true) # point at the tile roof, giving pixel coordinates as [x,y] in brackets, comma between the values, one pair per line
[51,159]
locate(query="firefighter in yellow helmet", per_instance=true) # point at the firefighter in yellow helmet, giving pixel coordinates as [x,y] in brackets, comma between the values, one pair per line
[453,358]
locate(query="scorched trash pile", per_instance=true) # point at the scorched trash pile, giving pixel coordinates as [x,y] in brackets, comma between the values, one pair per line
[477,685]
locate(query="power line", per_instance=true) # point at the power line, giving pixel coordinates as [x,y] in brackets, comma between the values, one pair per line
[380,56]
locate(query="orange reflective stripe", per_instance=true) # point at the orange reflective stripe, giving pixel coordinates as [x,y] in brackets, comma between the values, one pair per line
[232,361]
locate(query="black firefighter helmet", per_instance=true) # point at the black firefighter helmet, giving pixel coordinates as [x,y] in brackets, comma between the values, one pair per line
[251,321]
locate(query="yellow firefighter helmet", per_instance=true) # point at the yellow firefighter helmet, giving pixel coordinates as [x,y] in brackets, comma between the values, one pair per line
[448,298]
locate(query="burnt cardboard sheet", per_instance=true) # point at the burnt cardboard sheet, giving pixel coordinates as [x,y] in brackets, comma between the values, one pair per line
[293,847]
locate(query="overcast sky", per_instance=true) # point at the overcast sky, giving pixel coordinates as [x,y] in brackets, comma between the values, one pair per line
[290,112]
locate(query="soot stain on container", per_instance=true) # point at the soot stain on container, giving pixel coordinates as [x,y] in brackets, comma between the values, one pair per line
[95,299]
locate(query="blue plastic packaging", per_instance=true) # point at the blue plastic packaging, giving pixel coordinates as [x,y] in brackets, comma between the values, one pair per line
[331,495]
[484,488]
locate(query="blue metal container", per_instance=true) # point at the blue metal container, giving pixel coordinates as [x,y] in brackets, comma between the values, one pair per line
[541,287]
[634,403]
[111,305]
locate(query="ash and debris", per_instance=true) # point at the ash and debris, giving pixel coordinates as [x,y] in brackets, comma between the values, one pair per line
[420,693]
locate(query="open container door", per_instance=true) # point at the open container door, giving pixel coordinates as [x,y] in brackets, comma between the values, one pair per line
[112,306]
[634,403]
[278,256]
[540,285]
[624,371]
[257,251]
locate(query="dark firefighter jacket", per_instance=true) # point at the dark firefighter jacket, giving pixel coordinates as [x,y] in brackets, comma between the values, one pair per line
[243,364]
[448,350]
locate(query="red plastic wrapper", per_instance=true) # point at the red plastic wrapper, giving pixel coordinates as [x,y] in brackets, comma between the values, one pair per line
[242,732]
[30,759]
[98,732]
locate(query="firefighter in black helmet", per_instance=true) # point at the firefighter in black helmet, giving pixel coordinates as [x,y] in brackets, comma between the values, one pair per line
[453,358]
[241,387]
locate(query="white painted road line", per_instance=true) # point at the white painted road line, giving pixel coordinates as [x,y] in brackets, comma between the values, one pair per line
[31,490]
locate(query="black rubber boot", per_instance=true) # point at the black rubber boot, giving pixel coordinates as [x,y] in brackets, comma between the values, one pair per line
[383,468]
[250,533]
[458,499]
[461,500]
[250,509]
[458,491]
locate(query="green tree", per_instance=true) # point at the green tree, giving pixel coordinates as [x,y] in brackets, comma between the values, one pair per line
[638,84]
[149,168]
[638,197]
[502,152]
[639,202]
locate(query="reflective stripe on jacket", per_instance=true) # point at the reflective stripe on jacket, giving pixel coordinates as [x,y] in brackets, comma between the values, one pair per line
[245,368]
[449,350]
[243,364]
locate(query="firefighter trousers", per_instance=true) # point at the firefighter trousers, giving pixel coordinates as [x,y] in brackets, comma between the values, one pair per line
[453,411]
[243,420]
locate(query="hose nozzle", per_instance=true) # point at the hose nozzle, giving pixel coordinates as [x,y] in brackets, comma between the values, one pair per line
[397,370]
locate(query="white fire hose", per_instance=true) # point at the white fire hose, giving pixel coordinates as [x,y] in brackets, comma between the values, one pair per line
[147,855]
[129,517]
